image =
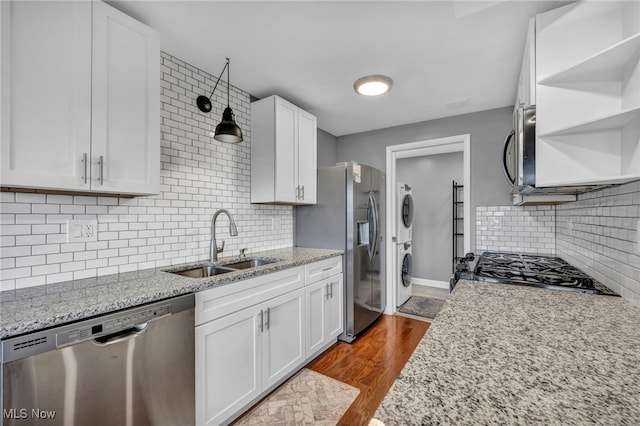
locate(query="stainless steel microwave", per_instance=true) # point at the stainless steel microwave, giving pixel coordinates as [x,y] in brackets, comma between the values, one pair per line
[519,164]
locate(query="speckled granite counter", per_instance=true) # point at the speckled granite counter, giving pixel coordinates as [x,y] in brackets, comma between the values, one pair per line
[36,308]
[503,354]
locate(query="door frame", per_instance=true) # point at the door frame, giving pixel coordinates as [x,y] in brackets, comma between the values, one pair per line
[458,143]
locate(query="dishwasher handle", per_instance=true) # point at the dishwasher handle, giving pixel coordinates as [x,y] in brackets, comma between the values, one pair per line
[122,335]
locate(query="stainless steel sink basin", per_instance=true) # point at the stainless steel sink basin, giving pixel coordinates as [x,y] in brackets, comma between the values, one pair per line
[203,271]
[252,262]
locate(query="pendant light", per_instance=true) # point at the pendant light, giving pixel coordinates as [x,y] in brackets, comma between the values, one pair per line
[227,131]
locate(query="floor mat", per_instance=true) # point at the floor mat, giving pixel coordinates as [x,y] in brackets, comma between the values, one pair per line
[426,307]
[308,398]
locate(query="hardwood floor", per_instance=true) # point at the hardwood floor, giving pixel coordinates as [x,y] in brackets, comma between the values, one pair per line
[371,363]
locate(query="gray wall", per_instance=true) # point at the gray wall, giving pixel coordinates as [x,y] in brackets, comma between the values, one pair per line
[327,149]
[487,130]
[430,178]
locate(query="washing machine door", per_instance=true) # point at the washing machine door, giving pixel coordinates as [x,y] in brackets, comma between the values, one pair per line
[406,269]
[406,210]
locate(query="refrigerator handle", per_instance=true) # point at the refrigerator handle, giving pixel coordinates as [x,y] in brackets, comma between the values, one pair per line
[374,231]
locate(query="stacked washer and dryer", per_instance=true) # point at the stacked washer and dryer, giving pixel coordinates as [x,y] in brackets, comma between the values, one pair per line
[404,229]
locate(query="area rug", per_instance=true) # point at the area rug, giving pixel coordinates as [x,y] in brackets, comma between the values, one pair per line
[308,398]
[426,307]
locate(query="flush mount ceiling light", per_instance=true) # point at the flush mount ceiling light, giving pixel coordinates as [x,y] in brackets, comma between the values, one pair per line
[227,131]
[373,85]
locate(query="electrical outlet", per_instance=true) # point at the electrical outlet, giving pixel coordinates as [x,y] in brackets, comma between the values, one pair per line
[82,230]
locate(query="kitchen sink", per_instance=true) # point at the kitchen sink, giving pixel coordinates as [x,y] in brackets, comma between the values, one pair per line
[203,271]
[252,262]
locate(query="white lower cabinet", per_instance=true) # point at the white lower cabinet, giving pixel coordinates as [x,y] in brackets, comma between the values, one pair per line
[249,336]
[283,336]
[324,313]
[253,335]
[228,365]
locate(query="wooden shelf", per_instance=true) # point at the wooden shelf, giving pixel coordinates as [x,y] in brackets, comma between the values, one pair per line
[608,122]
[602,66]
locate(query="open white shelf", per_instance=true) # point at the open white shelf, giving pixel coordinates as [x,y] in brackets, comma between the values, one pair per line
[611,121]
[604,65]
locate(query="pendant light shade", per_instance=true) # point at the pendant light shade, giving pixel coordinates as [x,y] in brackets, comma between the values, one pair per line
[227,131]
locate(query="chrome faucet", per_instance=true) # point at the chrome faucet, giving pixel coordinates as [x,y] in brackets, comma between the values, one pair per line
[213,246]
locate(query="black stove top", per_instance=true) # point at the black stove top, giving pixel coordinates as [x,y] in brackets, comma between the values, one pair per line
[536,271]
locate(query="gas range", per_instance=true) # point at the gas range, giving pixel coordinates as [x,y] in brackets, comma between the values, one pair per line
[532,270]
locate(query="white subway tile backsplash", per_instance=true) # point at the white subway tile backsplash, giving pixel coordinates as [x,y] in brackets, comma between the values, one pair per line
[598,235]
[198,176]
[529,229]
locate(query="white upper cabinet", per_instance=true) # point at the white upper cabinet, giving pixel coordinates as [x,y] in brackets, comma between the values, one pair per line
[283,153]
[588,94]
[46,94]
[526,94]
[126,103]
[80,99]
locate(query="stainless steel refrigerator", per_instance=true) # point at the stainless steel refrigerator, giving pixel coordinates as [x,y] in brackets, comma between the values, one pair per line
[350,216]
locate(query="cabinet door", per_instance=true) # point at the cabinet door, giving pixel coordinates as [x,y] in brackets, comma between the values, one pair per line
[46,93]
[228,365]
[307,157]
[316,297]
[126,104]
[286,168]
[334,309]
[283,336]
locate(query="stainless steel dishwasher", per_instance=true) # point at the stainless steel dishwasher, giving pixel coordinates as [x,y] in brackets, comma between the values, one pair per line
[133,367]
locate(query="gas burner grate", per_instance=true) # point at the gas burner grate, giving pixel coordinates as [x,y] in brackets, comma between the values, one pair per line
[535,270]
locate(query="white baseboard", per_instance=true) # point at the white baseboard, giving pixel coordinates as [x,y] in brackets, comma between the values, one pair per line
[430,283]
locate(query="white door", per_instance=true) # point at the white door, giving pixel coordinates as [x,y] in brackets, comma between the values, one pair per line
[228,364]
[286,168]
[126,104]
[334,308]
[46,94]
[284,339]
[316,296]
[307,157]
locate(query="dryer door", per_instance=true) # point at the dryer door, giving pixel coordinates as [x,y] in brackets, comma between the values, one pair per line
[406,269]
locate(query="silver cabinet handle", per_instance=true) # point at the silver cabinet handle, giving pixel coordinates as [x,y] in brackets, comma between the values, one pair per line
[261,326]
[330,290]
[328,268]
[302,192]
[327,288]
[101,164]
[266,321]
[84,164]
[298,192]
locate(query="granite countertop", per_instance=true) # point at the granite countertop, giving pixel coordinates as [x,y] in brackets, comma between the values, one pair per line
[505,354]
[36,308]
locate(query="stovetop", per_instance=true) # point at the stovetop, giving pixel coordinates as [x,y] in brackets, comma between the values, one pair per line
[536,271]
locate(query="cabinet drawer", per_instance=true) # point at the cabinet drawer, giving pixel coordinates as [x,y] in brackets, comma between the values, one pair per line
[322,269]
[224,300]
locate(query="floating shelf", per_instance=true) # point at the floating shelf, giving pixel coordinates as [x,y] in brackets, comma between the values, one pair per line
[608,122]
[603,66]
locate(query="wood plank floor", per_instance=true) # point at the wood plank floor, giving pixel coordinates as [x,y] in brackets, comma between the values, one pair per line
[371,363]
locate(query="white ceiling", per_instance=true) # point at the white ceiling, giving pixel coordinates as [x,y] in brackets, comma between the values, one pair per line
[445,57]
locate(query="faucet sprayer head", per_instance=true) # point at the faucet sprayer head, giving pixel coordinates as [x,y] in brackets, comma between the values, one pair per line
[233,231]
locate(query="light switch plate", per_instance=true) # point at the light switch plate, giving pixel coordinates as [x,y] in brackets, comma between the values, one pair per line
[82,230]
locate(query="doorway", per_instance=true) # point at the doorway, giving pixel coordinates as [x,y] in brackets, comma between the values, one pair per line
[431,147]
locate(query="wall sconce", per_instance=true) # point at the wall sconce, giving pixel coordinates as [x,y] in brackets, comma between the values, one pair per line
[227,131]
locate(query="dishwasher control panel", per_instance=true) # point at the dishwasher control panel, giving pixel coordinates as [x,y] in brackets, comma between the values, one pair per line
[111,324]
